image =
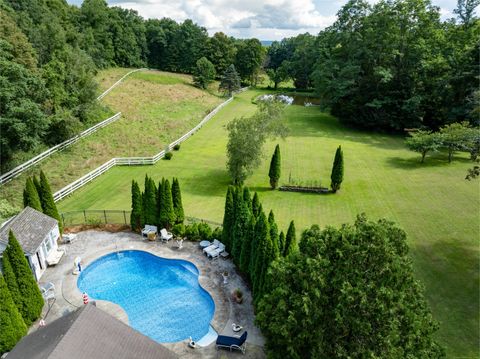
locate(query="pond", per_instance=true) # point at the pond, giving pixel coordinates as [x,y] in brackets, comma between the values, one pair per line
[302,99]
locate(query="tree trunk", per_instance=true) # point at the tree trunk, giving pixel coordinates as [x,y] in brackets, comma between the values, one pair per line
[424,153]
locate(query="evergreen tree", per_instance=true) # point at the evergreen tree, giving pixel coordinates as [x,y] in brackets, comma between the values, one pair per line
[228,219]
[177,201]
[247,198]
[242,218]
[30,296]
[167,213]
[38,187]
[12,326]
[247,247]
[230,81]
[274,234]
[160,200]
[149,202]
[290,241]
[48,204]
[256,205]
[260,253]
[12,285]
[281,243]
[275,168]
[337,170]
[136,216]
[30,196]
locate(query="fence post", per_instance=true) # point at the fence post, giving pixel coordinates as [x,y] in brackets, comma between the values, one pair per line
[105,215]
[85,216]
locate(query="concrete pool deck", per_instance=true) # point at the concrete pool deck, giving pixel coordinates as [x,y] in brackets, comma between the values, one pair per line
[92,244]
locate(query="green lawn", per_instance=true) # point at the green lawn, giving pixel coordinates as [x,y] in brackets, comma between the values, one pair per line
[432,202]
[157,108]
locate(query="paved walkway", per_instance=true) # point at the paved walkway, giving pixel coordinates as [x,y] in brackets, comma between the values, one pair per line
[90,245]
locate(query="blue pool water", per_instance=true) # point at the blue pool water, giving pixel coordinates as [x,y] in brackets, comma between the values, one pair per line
[162,297]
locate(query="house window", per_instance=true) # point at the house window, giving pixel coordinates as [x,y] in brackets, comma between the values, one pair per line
[48,245]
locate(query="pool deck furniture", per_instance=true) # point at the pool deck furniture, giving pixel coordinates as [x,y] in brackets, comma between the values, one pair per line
[204,244]
[179,243]
[149,229]
[54,257]
[224,254]
[165,236]
[211,247]
[235,342]
[68,237]
[216,252]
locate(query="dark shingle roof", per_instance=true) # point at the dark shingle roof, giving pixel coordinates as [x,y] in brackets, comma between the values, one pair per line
[88,333]
[30,228]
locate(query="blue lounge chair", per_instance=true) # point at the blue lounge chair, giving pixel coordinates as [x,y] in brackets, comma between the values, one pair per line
[236,342]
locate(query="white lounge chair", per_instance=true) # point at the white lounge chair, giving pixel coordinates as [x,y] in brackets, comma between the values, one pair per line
[149,229]
[54,257]
[69,237]
[211,247]
[165,236]
[216,252]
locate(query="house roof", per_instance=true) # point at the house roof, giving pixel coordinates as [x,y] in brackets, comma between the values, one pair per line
[88,333]
[30,228]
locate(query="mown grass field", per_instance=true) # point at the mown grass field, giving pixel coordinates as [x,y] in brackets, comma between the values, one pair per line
[432,202]
[157,108]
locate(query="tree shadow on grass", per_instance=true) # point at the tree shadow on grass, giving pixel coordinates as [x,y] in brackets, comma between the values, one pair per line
[260,189]
[412,163]
[211,182]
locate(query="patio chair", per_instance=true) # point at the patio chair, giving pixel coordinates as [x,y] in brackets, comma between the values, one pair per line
[165,236]
[216,252]
[211,247]
[149,229]
[235,342]
[54,257]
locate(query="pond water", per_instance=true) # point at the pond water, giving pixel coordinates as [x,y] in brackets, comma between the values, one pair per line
[301,100]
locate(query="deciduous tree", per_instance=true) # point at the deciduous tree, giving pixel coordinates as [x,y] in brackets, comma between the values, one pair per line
[204,73]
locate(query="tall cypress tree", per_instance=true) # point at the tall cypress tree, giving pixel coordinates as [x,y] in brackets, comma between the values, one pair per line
[228,219]
[274,234]
[281,243]
[12,285]
[30,196]
[30,296]
[136,216]
[275,168]
[177,201]
[337,170]
[260,252]
[12,326]
[248,199]
[240,230]
[159,200]
[37,185]
[256,205]
[167,213]
[149,202]
[247,247]
[291,240]
[48,204]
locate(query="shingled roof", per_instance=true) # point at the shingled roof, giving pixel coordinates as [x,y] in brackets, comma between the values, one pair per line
[88,333]
[30,228]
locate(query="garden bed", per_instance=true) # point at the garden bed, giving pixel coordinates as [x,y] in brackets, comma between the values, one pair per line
[321,190]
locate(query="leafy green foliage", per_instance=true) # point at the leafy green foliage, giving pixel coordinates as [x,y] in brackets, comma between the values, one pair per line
[423,142]
[291,245]
[48,204]
[178,230]
[256,206]
[220,50]
[177,201]
[136,216]
[204,73]
[30,196]
[337,170]
[242,217]
[260,254]
[230,82]
[29,294]
[246,251]
[167,212]
[204,231]
[191,232]
[149,202]
[274,237]
[168,155]
[228,219]
[12,326]
[275,168]
[249,58]
[247,136]
[455,137]
[349,292]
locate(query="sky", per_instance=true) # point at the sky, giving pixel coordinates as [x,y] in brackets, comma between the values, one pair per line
[263,19]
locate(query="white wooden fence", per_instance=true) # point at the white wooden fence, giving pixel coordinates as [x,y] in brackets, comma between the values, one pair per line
[134,161]
[118,82]
[24,166]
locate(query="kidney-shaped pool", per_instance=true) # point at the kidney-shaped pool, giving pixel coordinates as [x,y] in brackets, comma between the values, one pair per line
[162,297]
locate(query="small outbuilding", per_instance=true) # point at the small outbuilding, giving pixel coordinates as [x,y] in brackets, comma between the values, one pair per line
[88,333]
[38,235]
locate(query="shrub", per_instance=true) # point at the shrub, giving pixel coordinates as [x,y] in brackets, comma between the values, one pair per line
[217,233]
[178,230]
[204,231]
[168,155]
[176,147]
[191,232]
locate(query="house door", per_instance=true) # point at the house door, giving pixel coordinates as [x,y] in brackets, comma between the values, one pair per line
[39,261]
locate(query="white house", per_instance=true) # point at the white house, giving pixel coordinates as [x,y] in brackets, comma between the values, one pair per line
[38,234]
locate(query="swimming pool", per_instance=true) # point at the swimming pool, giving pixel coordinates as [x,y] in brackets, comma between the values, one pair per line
[162,297]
